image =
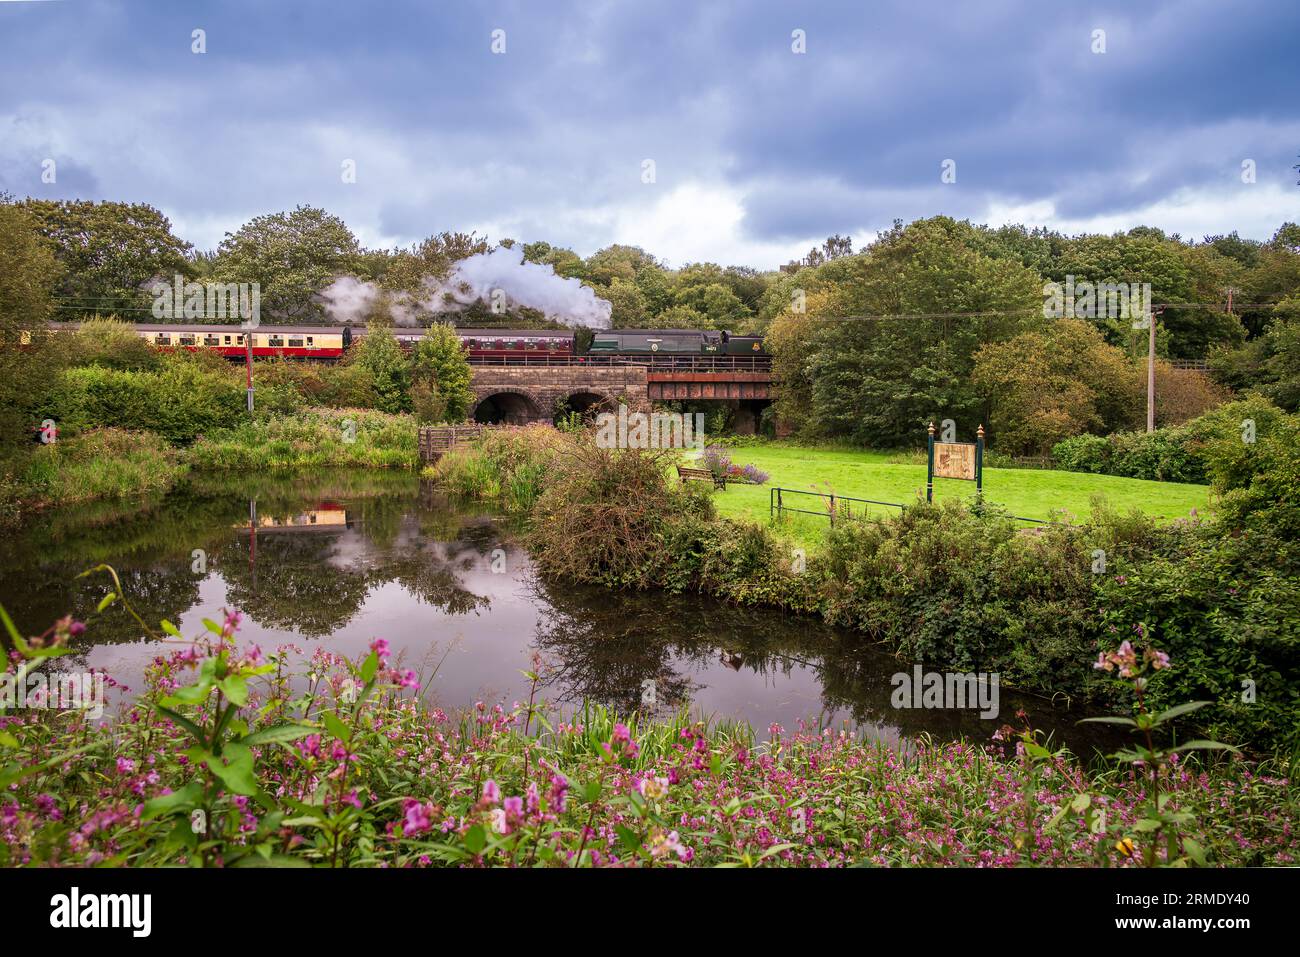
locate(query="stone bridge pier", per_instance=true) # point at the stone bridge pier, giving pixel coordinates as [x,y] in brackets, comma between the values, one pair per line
[518,395]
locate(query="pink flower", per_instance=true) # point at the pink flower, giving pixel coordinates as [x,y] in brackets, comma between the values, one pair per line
[415,817]
[491,793]
[125,765]
[380,647]
[309,747]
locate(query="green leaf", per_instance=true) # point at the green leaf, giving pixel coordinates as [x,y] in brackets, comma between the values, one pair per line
[1181,709]
[275,860]
[235,688]
[278,734]
[190,694]
[1206,746]
[370,666]
[237,775]
[171,629]
[337,727]
[195,731]
[1194,851]
[9,627]
[106,601]
[184,799]
[629,838]
[1126,722]
[476,839]
[8,740]
[1081,802]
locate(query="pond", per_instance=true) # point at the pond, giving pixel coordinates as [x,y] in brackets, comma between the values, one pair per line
[342,558]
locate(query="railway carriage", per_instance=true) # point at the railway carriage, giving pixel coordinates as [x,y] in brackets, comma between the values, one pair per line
[492,346]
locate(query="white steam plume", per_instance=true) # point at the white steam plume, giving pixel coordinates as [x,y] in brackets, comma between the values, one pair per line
[499,278]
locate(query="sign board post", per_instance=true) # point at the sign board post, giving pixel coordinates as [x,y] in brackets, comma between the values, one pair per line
[959,460]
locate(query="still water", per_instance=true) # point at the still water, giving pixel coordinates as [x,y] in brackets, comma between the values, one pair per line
[341,558]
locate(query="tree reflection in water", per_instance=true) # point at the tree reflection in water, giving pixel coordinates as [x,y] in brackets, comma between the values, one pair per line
[334,540]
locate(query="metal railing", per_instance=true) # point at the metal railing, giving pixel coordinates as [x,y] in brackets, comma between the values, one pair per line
[833,506]
[662,363]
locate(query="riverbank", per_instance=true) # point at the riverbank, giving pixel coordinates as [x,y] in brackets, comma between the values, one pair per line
[358,773]
[117,464]
[942,585]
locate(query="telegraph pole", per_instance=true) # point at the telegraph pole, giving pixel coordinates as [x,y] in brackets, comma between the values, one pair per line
[248,364]
[1151,368]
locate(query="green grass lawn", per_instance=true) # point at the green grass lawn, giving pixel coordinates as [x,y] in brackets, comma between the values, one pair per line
[1030,493]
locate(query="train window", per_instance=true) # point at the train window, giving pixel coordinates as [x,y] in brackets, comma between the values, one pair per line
[501,344]
[187,340]
[295,343]
[309,340]
[530,344]
[212,340]
[471,343]
[227,338]
[274,341]
[239,340]
[163,339]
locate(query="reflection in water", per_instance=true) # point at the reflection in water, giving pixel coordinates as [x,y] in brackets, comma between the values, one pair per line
[343,558]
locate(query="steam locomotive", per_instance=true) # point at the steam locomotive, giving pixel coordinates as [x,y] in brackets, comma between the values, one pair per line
[505,346]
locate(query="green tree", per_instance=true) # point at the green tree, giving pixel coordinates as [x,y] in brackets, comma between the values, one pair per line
[1042,387]
[109,253]
[720,307]
[442,388]
[616,262]
[431,259]
[293,256]
[628,302]
[379,355]
[28,274]
[881,380]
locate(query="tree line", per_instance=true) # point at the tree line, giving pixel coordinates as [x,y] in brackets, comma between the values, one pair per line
[949,315]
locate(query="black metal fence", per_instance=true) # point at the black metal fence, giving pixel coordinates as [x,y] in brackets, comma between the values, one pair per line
[841,506]
[663,363]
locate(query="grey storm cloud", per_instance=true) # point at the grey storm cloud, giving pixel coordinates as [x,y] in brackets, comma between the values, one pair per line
[550,135]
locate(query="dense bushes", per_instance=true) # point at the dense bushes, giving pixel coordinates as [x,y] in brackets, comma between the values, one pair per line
[223,733]
[1165,455]
[1196,452]
[946,587]
[103,463]
[317,437]
[604,515]
[508,466]
[179,402]
[939,584]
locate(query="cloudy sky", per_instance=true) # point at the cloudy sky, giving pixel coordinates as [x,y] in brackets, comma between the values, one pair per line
[758,151]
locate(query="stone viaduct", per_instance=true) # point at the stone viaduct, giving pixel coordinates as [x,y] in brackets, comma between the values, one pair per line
[521,394]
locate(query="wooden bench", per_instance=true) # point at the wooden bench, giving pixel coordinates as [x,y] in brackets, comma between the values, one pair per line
[701,475]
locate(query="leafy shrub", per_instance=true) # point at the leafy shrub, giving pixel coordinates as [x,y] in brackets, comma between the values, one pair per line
[604,515]
[316,437]
[101,463]
[1083,453]
[112,344]
[940,584]
[508,465]
[180,401]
